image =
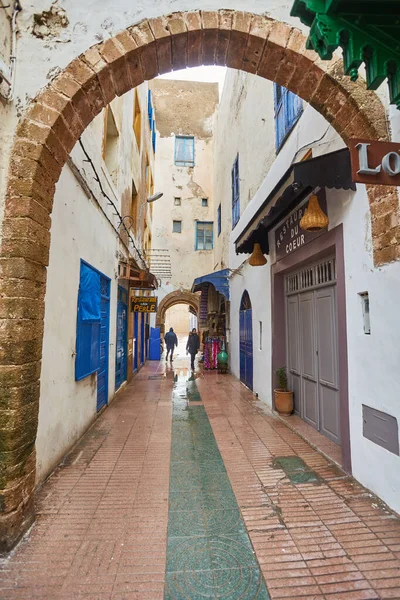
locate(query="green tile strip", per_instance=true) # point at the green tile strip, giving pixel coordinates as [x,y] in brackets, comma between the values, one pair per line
[296,469]
[209,554]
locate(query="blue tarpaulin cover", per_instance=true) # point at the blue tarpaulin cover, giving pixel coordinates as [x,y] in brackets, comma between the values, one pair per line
[219,280]
[89,294]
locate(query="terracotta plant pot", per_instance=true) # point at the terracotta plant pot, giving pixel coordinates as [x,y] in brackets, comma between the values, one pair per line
[283,402]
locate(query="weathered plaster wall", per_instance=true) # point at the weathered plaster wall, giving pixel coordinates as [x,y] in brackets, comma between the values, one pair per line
[67,406]
[181,114]
[80,230]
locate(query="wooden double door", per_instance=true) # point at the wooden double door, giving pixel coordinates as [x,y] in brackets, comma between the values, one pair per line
[312,348]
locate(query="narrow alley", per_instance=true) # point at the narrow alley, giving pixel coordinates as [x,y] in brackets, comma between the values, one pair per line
[185,488]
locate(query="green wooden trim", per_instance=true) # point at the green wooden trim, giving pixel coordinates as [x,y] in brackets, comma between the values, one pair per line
[367,31]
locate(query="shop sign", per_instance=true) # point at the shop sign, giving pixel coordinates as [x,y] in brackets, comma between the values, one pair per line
[375,162]
[289,236]
[144,305]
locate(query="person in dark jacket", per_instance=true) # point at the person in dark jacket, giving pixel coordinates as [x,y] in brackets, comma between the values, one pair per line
[192,346]
[171,341]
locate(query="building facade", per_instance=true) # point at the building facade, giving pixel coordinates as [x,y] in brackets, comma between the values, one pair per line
[183,219]
[318,307]
[93,342]
[71,63]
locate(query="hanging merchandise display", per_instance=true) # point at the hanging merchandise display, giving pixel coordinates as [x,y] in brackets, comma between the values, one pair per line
[212,347]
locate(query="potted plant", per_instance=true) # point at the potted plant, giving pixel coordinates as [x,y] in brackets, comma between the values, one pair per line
[283,397]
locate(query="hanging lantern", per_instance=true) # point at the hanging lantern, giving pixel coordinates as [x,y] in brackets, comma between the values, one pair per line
[257,259]
[314,219]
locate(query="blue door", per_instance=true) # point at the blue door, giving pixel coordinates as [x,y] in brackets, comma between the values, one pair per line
[122,325]
[102,373]
[142,340]
[246,341]
[135,341]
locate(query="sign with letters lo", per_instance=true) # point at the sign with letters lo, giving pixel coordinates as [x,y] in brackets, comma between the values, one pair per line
[289,236]
[375,162]
[143,304]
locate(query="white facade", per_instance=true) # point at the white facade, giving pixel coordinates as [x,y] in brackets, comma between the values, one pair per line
[85,227]
[183,108]
[372,359]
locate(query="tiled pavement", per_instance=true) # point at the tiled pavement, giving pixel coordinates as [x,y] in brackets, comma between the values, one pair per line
[103,517]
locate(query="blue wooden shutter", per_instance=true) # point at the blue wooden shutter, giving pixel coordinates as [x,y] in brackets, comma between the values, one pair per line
[288,108]
[87,358]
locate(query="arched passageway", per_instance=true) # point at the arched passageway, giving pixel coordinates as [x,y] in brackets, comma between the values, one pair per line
[49,130]
[172,299]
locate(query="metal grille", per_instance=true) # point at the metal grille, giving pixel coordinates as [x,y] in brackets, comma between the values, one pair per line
[313,276]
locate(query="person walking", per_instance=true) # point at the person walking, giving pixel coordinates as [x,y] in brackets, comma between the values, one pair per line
[171,341]
[192,346]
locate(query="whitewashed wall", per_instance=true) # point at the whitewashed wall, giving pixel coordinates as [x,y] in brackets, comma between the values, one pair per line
[67,407]
[372,359]
[80,230]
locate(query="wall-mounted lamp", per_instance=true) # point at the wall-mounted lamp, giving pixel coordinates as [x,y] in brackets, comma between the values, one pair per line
[155,197]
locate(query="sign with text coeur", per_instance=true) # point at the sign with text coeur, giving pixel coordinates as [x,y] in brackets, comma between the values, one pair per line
[375,162]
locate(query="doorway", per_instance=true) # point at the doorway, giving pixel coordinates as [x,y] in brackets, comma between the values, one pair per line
[246,341]
[102,373]
[312,346]
[122,330]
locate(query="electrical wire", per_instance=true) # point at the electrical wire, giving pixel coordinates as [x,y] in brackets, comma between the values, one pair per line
[111,203]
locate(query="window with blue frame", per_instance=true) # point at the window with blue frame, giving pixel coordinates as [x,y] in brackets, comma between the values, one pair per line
[87,359]
[288,108]
[219,220]
[184,151]
[152,120]
[204,235]
[235,192]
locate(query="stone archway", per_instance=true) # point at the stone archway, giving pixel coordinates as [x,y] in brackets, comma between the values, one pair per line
[46,135]
[177,297]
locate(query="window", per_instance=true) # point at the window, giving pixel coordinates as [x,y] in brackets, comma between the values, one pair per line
[184,151]
[204,201]
[134,203]
[152,119]
[110,145]
[261,334]
[288,108]
[177,226]
[219,219]
[365,312]
[137,120]
[235,192]
[204,235]
[92,285]
[177,201]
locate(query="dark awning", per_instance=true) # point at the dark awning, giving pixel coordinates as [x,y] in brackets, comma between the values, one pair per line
[219,280]
[331,170]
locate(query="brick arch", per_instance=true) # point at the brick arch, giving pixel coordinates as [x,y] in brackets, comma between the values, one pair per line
[177,297]
[46,135]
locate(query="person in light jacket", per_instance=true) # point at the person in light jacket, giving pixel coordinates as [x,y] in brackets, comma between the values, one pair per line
[171,341]
[192,346]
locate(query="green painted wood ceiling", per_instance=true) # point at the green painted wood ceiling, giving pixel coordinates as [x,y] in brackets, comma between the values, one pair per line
[368,31]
